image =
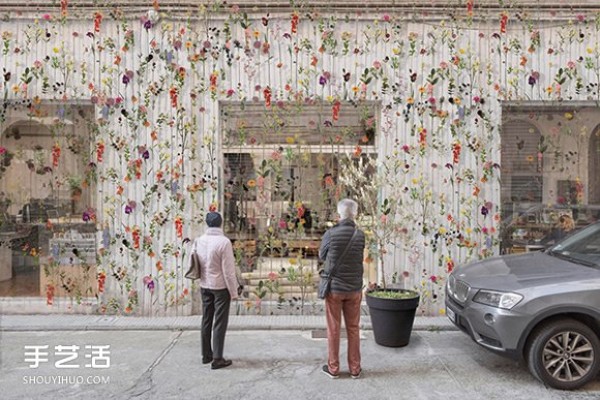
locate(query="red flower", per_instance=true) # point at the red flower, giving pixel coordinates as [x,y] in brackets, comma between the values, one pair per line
[267,96]
[49,294]
[101,280]
[336,110]
[295,21]
[55,155]
[173,96]
[456,148]
[99,151]
[135,234]
[179,226]
[503,22]
[63,7]
[97,21]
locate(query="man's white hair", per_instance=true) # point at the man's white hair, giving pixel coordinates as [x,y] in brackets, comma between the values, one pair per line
[347,209]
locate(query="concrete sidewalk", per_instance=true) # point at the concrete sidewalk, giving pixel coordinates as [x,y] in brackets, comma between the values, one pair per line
[236,323]
[267,365]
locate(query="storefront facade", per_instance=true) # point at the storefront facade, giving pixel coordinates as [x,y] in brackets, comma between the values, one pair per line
[122,125]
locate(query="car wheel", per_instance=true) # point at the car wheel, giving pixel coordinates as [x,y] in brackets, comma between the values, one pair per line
[564,354]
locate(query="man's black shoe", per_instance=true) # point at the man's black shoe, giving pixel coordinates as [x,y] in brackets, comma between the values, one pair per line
[206,360]
[220,363]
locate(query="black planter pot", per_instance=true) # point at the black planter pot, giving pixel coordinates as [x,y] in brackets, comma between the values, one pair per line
[392,319]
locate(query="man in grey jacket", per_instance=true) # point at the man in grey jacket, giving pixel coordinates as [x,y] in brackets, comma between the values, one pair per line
[341,246]
[218,286]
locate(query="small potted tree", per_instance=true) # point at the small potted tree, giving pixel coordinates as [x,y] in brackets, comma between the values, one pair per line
[377,188]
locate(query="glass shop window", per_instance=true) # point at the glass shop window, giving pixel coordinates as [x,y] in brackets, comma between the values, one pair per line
[550,159]
[47,198]
[281,169]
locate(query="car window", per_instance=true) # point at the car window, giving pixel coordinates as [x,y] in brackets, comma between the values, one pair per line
[583,247]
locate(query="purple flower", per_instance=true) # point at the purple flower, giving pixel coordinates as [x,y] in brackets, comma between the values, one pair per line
[151,286]
[86,216]
[106,237]
[484,211]
[128,209]
[532,81]
[125,79]
[146,155]
[322,80]
[148,24]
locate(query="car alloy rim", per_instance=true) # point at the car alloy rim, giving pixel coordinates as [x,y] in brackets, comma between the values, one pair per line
[568,356]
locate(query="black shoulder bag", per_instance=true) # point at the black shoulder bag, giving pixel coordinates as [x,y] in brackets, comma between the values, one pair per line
[325,283]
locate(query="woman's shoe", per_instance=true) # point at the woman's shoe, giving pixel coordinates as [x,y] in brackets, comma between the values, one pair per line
[220,363]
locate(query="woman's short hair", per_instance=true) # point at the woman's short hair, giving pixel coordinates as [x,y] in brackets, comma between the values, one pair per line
[347,208]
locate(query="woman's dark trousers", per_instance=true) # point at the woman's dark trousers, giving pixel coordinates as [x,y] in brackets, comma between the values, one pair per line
[215,306]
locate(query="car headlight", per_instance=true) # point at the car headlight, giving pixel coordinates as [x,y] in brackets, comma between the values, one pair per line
[493,298]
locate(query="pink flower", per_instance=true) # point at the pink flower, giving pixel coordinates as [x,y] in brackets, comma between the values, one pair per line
[46,17]
[433,278]
[273,276]
[276,156]
[376,64]
[2,150]
[386,18]
[571,64]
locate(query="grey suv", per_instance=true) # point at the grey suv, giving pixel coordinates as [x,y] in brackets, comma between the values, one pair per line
[543,307]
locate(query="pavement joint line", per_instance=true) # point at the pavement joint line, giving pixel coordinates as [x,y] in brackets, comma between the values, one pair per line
[10,323]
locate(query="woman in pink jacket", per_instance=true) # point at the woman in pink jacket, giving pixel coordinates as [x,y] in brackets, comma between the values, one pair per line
[218,286]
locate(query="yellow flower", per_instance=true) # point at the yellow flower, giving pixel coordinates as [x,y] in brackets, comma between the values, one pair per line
[289,140]
[355,89]
[462,51]
[442,230]
[568,116]
[293,261]
[251,183]
[589,50]
[55,49]
[396,51]
[410,100]
[468,231]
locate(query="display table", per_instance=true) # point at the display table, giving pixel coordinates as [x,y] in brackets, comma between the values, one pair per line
[70,268]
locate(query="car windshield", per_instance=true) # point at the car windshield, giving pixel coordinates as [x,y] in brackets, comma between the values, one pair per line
[583,247]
